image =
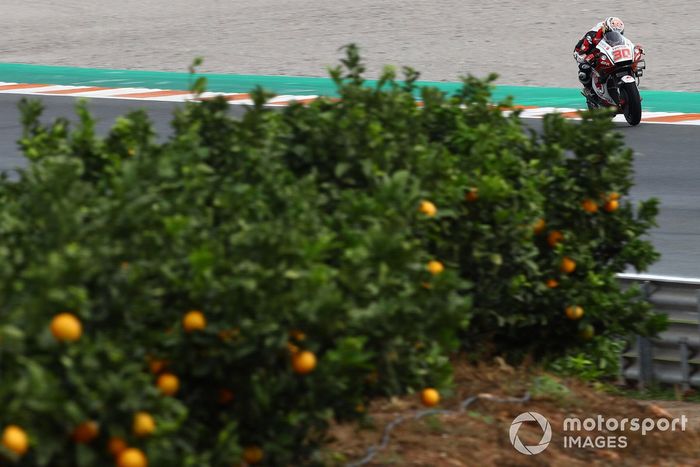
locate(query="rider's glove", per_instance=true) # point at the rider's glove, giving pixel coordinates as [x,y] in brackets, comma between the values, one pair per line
[579,57]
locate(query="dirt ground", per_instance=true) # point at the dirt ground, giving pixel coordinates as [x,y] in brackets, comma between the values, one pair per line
[527,43]
[479,436]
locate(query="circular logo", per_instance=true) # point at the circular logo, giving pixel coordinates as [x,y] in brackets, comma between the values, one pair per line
[546,435]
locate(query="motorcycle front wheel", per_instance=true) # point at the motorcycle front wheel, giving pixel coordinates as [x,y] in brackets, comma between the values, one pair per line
[632,108]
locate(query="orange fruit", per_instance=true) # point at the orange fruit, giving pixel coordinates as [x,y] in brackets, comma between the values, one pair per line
[168,384]
[472,195]
[614,196]
[229,334]
[587,332]
[611,205]
[435,267]
[574,312]
[132,457]
[225,396]
[539,226]
[15,439]
[143,424]
[66,327]
[156,365]
[568,265]
[297,335]
[303,362]
[589,206]
[253,454]
[292,348]
[552,283]
[86,432]
[554,237]
[427,208]
[116,446]
[430,397]
[194,321]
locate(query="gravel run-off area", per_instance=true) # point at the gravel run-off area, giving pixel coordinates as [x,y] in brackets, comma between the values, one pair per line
[525,42]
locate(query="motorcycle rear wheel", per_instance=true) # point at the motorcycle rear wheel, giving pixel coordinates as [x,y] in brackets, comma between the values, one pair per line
[632,108]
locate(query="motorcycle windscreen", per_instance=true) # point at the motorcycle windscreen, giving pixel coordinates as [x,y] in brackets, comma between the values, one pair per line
[614,38]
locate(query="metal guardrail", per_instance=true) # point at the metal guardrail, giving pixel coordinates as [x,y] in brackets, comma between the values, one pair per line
[673,357]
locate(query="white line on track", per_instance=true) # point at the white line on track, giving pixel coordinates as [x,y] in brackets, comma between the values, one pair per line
[166,95]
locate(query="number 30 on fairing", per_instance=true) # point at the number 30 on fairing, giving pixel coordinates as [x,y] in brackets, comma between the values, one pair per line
[622,53]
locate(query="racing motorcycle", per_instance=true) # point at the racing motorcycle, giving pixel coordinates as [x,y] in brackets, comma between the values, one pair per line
[617,68]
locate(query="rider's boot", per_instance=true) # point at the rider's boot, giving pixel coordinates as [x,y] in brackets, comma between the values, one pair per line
[584,76]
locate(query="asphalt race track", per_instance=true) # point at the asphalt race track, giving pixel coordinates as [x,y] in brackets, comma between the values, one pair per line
[667,167]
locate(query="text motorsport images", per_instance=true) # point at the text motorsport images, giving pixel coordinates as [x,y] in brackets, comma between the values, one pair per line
[599,424]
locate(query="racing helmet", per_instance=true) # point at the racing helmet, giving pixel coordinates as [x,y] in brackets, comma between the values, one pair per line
[614,24]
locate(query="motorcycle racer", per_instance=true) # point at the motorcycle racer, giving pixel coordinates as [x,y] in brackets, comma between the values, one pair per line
[585,48]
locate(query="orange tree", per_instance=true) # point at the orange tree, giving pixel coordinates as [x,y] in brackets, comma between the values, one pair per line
[539,223]
[221,296]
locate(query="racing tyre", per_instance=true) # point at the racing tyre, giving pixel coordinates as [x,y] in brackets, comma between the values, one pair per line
[633,103]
